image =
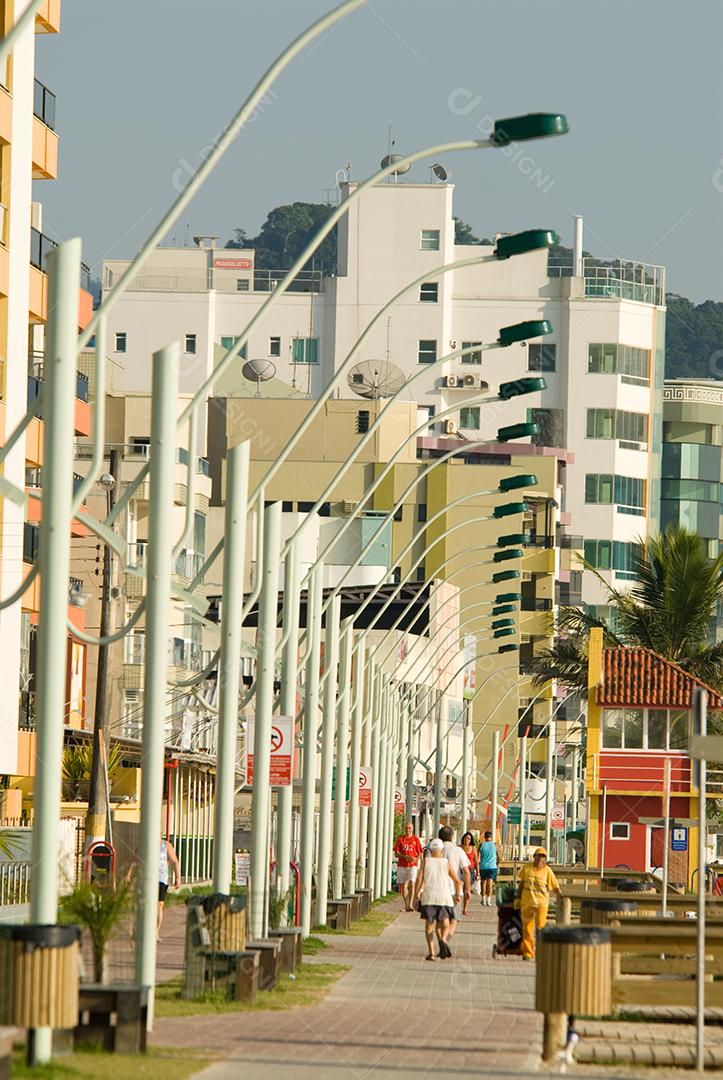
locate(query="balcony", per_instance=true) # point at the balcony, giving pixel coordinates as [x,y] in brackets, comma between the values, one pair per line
[569,541]
[47,18]
[206,279]
[44,104]
[36,362]
[533,603]
[615,280]
[40,246]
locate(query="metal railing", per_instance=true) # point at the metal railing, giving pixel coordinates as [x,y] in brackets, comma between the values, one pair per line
[44,104]
[205,279]
[41,245]
[570,541]
[15,883]
[36,364]
[618,279]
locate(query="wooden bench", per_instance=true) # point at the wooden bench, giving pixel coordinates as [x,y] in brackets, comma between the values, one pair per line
[114,1016]
[338,914]
[659,957]
[8,1035]
[269,950]
[291,947]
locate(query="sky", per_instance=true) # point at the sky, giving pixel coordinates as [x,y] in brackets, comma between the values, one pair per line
[145,86]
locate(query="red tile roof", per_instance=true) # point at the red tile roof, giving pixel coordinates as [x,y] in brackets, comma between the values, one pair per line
[642,677]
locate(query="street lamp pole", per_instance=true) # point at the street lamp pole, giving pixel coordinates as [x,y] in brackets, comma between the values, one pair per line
[328,726]
[357,720]
[342,740]
[311,727]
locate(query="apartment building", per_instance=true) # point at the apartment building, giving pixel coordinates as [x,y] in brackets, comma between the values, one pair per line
[449,511]
[603,363]
[128,427]
[28,152]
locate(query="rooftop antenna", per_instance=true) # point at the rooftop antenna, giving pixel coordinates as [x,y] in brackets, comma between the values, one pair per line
[258,371]
[389,338]
[391,158]
[439,171]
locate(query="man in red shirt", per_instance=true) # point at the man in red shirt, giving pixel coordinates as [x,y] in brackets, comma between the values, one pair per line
[408,850]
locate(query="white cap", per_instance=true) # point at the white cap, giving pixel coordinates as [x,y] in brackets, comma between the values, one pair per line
[436,845]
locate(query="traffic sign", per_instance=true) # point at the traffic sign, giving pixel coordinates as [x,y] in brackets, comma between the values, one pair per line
[558,816]
[399,803]
[282,750]
[242,867]
[679,841]
[365,785]
[514,814]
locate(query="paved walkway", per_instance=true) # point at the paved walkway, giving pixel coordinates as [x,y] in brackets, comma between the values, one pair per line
[393,1014]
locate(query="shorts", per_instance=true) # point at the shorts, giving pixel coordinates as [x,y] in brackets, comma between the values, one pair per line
[436,913]
[488,875]
[405,874]
[162,890]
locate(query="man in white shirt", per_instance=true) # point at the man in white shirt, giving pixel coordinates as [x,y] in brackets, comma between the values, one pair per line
[460,864]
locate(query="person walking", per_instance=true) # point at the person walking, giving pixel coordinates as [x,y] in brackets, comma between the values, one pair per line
[437,889]
[460,864]
[535,884]
[408,850]
[167,859]
[487,868]
[469,848]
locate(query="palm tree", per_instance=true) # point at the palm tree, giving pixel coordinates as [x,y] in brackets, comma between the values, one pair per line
[669,608]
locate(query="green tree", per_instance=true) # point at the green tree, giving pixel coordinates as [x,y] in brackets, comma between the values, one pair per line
[285,233]
[464,234]
[670,608]
[693,339]
[99,907]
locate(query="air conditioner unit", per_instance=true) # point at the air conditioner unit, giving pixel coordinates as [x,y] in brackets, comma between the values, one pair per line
[450,380]
[469,380]
[449,427]
[348,507]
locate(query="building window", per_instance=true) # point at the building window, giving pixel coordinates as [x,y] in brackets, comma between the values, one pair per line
[229,342]
[469,418]
[242,284]
[121,341]
[429,240]
[140,445]
[622,729]
[287,507]
[274,346]
[427,352]
[472,357]
[627,492]
[598,488]
[613,555]
[421,511]
[362,421]
[305,351]
[628,427]
[190,343]
[541,357]
[421,574]
[429,292]
[615,359]
[645,729]
[619,830]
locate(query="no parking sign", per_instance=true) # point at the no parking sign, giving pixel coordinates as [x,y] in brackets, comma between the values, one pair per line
[365,785]
[282,751]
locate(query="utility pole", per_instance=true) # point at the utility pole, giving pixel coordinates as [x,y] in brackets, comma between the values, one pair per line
[95,822]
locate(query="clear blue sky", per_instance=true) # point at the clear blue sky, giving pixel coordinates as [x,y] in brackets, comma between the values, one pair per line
[145,85]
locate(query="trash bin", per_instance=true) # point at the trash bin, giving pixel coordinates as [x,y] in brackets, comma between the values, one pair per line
[629,885]
[603,912]
[39,976]
[574,970]
[225,921]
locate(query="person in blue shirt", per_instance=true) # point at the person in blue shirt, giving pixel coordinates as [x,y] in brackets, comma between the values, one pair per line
[487,868]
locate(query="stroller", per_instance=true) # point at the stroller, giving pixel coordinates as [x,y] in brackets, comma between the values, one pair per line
[509,924]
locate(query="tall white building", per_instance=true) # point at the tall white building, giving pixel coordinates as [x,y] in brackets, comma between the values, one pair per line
[603,363]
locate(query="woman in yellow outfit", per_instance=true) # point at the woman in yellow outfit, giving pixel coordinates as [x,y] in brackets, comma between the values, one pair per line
[535,884]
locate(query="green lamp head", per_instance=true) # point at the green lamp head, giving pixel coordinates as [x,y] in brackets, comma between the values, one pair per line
[531,126]
[520,387]
[504,575]
[507,597]
[509,509]
[506,554]
[503,609]
[505,631]
[499,624]
[517,431]
[522,331]
[510,647]
[529,240]
[512,538]
[514,483]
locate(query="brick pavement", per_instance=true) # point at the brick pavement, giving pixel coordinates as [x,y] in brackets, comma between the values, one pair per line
[392,1014]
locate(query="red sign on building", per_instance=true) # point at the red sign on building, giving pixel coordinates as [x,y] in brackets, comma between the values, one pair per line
[365,785]
[233,264]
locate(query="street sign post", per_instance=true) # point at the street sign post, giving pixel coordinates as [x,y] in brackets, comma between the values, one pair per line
[558,816]
[242,867]
[399,804]
[679,839]
[514,814]
[282,751]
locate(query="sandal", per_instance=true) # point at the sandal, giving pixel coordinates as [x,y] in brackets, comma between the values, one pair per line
[431,957]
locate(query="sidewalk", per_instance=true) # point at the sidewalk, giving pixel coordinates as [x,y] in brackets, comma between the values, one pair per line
[392,1013]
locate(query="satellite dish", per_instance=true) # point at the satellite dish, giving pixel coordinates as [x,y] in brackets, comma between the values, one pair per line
[375,379]
[391,159]
[440,172]
[258,371]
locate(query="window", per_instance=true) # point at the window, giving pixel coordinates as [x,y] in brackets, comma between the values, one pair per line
[679,730]
[657,729]
[229,342]
[362,421]
[541,357]
[612,729]
[645,729]
[421,575]
[599,488]
[627,492]
[628,427]
[140,445]
[625,360]
[121,341]
[472,357]
[427,353]
[429,292]
[242,284]
[469,418]
[190,344]
[421,511]
[633,729]
[612,555]
[274,346]
[31,542]
[287,507]
[619,830]
[429,240]
[399,513]
[305,350]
